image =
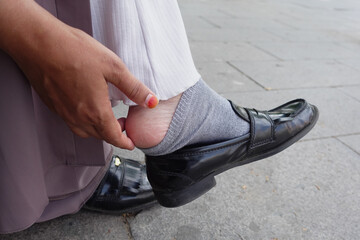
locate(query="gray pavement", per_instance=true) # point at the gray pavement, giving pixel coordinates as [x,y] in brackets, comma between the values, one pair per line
[261,54]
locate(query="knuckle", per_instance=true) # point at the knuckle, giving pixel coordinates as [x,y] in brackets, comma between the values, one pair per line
[79,132]
[135,90]
[109,134]
[80,109]
[94,115]
[115,64]
[94,118]
[105,130]
[84,135]
[117,69]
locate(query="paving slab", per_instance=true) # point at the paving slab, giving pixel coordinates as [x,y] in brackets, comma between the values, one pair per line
[352,141]
[227,51]
[339,113]
[81,226]
[353,91]
[231,35]
[307,192]
[191,8]
[307,50]
[345,36]
[222,77]
[299,73]
[329,5]
[352,43]
[260,9]
[197,23]
[353,16]
[354,63]
[318,20]
[292,35]
[253,21]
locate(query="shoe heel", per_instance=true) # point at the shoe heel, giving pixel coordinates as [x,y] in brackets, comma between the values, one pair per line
[184,196]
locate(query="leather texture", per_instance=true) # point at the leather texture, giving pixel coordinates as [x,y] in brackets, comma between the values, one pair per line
[124,189]
[182,176]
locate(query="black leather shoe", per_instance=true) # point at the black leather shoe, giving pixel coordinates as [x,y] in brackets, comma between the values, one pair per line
[124,189]
[184,175]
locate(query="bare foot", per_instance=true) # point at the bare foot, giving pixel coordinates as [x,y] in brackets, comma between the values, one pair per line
[147,127]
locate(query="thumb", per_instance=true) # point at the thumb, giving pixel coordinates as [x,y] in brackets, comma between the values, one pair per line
[135,90]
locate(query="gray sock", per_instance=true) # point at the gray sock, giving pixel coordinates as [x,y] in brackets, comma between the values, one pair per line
[201,117]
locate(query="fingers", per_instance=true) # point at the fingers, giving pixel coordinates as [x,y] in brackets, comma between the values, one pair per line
[122,122]
[135,90]
[110,130]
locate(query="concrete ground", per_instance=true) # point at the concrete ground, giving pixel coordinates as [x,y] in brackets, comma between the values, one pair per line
[261,54]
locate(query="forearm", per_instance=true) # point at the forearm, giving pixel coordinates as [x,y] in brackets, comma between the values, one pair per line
[25,28]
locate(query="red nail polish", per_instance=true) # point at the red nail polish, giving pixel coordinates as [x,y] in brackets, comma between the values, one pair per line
[151,101]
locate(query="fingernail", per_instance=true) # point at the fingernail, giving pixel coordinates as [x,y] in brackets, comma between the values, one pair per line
[151,101]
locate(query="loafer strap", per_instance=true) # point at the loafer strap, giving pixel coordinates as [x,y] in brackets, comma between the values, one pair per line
[261,128]
[123,176]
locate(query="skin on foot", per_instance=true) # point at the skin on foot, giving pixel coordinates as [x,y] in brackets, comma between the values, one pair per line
[148,127]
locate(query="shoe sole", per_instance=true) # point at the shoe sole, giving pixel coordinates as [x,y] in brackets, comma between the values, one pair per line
[132,210]
[184,196]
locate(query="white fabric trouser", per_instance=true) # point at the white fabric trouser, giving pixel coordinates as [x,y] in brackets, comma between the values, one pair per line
[149,36]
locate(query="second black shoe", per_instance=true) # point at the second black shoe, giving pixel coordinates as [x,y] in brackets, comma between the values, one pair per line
[186,174]
[124,189]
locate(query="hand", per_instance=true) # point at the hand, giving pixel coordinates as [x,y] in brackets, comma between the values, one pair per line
[69,70]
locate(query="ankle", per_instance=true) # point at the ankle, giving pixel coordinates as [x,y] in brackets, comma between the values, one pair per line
[148,127]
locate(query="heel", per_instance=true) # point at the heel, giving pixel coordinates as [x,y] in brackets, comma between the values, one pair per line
[184,196]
